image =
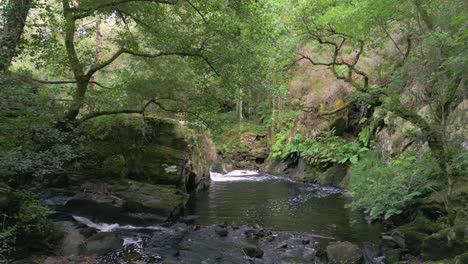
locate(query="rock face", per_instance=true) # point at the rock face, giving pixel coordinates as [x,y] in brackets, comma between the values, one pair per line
[300,171]
[150,150]
[250,153]
[344,253]
[137,169]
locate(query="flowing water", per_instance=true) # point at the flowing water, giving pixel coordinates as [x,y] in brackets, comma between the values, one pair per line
[249,198]
[295,212]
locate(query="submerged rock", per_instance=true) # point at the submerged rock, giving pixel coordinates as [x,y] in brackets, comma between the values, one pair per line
[343,252]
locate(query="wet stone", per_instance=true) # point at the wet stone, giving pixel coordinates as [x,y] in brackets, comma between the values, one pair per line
[253,252]
[222,232]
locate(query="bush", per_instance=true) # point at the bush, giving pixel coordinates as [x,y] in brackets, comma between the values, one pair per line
[324,150]
[24,226]
[386,190]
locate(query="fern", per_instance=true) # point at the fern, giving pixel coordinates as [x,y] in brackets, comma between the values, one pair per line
[386,190]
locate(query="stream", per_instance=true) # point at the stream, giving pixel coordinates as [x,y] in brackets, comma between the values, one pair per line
[241,212]
[249,198]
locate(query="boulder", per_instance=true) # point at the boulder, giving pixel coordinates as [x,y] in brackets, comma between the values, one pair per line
[372,254]
[130,202]
[222,232]
[344,253]
[253,252]
[72,238]
[101,243]
[160,200]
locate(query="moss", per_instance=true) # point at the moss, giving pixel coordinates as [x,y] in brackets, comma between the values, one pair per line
[148,198]
[461,259]
[416,232]
[445,244]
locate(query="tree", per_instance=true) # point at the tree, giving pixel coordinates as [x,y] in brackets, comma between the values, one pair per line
[428,41]
[84,72]
[13,18]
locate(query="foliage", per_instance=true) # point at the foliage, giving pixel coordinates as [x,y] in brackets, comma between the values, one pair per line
[324,149]
[31,146]
[383,190]
[25,226]
[278,144]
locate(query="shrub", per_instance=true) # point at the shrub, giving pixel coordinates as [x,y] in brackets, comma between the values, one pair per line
[386,190]
[24,226]
[324,150]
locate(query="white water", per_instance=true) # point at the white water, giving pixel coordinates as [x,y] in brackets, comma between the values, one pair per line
[242,175]
[104,227]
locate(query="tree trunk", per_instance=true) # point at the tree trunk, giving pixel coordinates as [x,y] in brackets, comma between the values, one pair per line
[75,64]
[15,15]
[78,101]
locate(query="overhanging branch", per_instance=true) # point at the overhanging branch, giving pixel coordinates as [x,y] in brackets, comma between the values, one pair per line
[80,13]
[69,82]
[149,55]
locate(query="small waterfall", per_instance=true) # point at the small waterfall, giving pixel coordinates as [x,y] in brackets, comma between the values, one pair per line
[243,175]
[104,227]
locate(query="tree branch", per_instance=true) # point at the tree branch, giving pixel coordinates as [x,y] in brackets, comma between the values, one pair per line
[149,55]
[70,81]
[198,11]
[82,13]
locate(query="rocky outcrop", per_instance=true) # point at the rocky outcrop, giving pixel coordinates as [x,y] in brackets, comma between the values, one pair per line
[299,170]
[250,152]
[150,150]
[135,169]
[129,202]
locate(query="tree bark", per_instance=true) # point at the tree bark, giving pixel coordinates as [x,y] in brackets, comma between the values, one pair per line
[15,15]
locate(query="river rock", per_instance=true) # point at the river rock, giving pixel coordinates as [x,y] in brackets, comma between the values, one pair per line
[372,254]
[72,238]
[253,252]
[87,232]
[344,253]
[222,232]
[101,243]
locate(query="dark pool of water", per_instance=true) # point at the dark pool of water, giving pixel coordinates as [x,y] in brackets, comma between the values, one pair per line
[281,205]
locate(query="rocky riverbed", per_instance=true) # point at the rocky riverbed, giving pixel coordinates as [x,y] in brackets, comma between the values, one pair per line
[190,243]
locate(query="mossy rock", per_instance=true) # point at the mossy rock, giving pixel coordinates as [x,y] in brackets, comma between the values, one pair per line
[416,232]
[445,244]
[461,259]
[156,151]
[154,199]
[101,243]
[331,176]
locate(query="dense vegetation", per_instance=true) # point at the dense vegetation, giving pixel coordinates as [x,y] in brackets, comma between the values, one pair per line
[227,66]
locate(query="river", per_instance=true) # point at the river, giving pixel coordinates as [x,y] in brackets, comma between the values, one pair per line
[248,198]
